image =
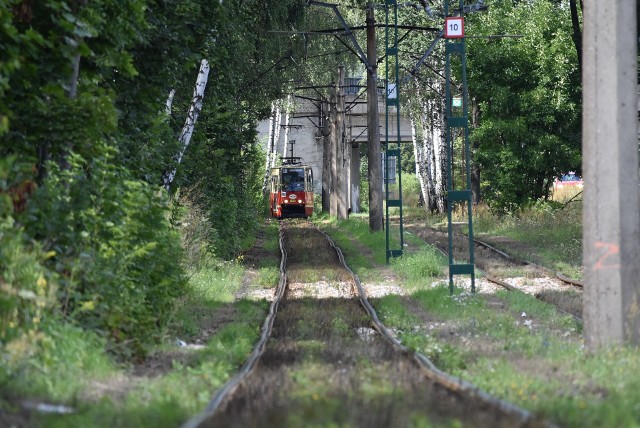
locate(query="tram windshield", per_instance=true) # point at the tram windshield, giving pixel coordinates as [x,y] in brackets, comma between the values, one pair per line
[292,179]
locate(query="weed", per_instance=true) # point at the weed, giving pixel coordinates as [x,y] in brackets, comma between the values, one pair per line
[420,266]
[552,236]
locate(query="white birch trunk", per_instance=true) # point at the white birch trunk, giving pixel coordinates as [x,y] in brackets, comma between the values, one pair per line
[440,154]
[287,115]
[287,122]
[276,136]
[418,154]
[268,155]
[169,103]
[192,118]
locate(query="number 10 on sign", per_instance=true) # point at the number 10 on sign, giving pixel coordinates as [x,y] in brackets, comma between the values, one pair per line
[454,28]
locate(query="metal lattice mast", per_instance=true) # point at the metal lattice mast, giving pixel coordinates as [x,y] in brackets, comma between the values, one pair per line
[392,99]
[454,30]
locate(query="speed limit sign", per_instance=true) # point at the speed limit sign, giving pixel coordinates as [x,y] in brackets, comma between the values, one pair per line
[454,27]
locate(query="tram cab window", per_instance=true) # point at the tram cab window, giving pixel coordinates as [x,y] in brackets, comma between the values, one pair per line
[293,179]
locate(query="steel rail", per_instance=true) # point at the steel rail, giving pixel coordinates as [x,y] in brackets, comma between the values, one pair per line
[453,383]
[505,284]
[228,388]
[558,275]
[509,257]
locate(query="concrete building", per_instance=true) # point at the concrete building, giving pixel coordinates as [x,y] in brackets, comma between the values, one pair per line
[301,131]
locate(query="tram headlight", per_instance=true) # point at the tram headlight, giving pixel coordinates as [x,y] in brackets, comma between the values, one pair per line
[299,201]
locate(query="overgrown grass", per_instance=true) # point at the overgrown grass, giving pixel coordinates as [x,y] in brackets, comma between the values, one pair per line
[526,353]
[64,364]
[551,236]
[365,250]
[417,268]
[170,399]
[362,248]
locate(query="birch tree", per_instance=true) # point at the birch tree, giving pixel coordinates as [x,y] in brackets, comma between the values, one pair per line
[276,135]
[269,154]
[427,119]
[190,122]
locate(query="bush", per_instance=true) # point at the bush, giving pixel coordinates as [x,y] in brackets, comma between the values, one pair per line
[117,256]
[27,288]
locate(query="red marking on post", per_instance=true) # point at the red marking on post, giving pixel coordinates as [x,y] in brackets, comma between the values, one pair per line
[611,250]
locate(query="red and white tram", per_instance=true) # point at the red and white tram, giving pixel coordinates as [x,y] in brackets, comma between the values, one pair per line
[291,189]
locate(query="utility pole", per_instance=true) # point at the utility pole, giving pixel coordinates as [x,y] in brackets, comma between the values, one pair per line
[333,149]
[342,153]
[326,156]
[373,124]
[611,230]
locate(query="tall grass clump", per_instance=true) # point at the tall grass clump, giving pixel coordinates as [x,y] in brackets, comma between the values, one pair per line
[551,231]
[351,236]
[419,267]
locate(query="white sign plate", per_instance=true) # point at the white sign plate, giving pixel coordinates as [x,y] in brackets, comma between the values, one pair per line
[454,28]
[392,92]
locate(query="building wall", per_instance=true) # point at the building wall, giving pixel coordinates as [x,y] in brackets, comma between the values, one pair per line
[309,141]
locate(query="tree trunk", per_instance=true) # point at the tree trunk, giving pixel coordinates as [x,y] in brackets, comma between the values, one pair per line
[373,125]
[276,136]
[355,178]
[287,116]
[190,122]
[577,31]
[440,156]
[475,144]
[169,103]
[333,141]
[418,154]
[269,154]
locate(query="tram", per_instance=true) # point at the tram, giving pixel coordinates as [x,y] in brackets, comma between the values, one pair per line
[291,194]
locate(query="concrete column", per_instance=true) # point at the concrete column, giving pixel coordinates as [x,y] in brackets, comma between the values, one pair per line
[342,154]
[610,167]
[333,147]
[326,157]
[355,178]
[373,125]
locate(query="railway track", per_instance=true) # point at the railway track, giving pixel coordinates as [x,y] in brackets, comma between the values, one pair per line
[492,262]
[324,358]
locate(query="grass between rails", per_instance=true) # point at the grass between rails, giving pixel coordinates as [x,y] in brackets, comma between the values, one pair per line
[509,344]
[172,385]
[554,236]
[549,234]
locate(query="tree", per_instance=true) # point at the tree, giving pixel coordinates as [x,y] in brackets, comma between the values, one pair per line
[528,92]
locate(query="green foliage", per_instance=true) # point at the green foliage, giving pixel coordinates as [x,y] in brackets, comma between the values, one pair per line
[528,90]
[411,192]
[27,287]
[115,252]
[83,87]
[55,362]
